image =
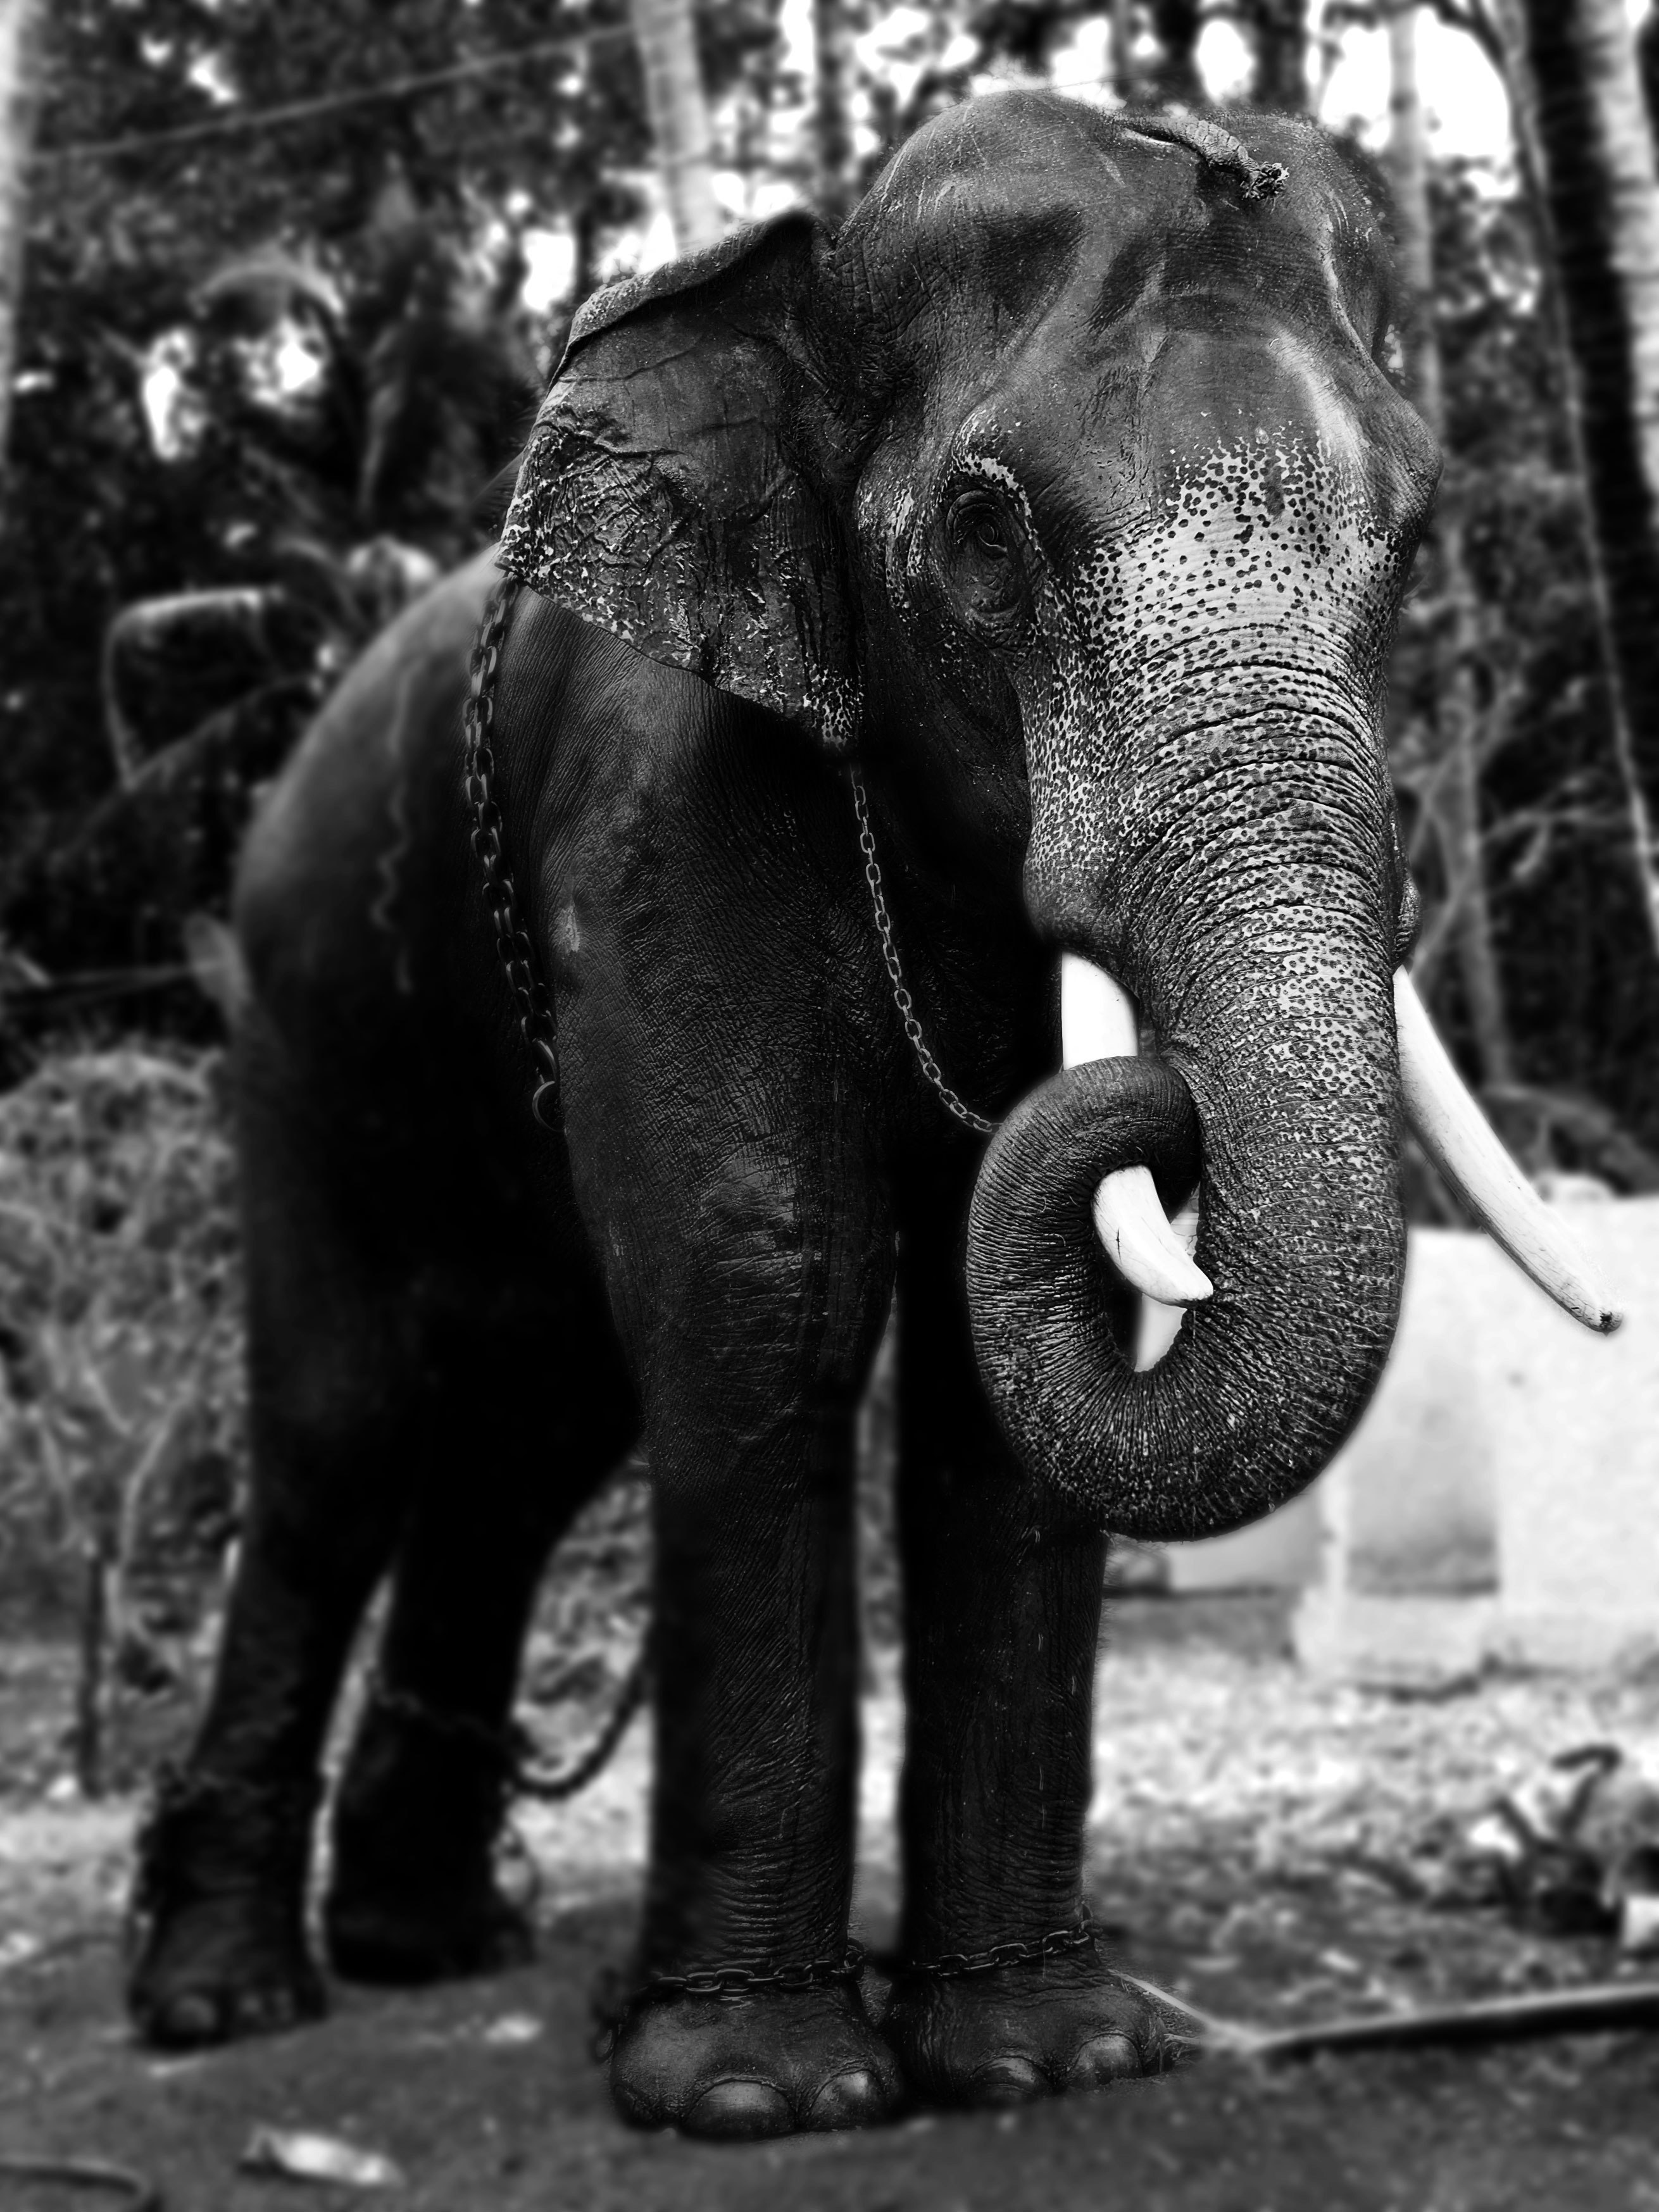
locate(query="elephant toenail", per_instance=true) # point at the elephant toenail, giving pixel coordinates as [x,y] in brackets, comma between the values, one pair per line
[1007,2081]
[739,2112]
[1104,2058]
[852,2098]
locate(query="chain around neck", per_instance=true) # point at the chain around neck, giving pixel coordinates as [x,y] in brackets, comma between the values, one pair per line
[533,1001]
[901,998]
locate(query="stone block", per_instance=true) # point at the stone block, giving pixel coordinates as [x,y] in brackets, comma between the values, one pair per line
[1501,1496]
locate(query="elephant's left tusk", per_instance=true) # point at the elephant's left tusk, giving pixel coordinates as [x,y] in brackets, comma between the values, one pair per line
[1462,1144]
[1130,1224]
[1098,1021]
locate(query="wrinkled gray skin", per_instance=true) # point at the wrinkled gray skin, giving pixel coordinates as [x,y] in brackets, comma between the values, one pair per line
[1065,488]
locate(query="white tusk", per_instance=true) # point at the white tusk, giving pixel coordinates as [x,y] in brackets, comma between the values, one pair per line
[1463,1147]
[1132,1226]
[1098,1017]
[1098,1021]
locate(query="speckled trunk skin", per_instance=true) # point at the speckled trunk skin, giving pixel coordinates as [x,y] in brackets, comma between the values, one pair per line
[1210,805]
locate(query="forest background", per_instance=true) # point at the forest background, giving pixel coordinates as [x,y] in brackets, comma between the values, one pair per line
[266,269]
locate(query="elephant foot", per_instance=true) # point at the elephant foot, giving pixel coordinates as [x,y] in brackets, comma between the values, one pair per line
[218,1913]
[734,2069]
[413,1896]
[1040,2028]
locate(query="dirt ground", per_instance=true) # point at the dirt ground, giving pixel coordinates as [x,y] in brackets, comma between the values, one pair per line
[1271,1850]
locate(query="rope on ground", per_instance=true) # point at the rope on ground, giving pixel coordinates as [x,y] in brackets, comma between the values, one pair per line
[1595,2008]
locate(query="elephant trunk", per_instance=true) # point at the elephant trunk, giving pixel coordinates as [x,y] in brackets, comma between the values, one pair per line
[1257,933]
[1300,1235]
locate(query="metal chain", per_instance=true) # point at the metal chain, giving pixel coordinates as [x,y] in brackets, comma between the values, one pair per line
[901,998]
[1055,1944]
[531,997]
[615,2005]
[513,1747]
[738,1980]
[517,955]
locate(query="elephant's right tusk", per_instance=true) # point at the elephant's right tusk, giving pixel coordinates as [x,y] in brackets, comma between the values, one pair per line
[1463,1147]
[1098,1021]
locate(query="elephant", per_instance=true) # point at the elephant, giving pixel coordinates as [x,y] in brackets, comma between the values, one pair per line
[917,817]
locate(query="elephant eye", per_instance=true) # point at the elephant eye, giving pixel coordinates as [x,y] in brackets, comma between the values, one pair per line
[977,523]
[987,535]
[987,573]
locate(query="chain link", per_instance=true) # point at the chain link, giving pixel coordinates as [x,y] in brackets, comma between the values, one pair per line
[1057,1942]
[901,998]
[513,1748]
[739,1979]
[531,1001]
[614,2004]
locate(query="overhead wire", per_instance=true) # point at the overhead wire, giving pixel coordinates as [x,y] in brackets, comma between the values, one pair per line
[236,123]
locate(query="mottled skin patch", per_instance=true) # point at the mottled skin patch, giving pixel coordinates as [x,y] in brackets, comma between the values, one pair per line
[1209,806]
[1066,483]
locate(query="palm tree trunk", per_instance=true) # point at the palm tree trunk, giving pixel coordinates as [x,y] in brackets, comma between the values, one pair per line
[1579,112]
[18,101]
[665,35]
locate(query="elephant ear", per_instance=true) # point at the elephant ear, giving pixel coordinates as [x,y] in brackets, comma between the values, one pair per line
[663,493]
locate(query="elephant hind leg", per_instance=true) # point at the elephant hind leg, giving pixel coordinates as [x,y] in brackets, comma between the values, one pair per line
[530,1420]
[220,1900]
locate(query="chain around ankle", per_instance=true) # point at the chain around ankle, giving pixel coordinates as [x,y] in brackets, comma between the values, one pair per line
[614,2004]
[1057,1943]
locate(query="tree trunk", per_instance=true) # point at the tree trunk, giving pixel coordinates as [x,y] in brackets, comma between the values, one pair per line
[1577,100]
[19,90]
[1174,78]
[664,33]
[1121,29]
[1406,163]
[1457,799]
[1278,31]
[92,1670]
[832,53]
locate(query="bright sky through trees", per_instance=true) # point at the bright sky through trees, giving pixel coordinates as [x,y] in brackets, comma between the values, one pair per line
[1467,110]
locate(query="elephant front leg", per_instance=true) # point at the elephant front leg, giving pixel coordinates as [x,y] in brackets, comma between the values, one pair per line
[1003,1995]
[744,2022]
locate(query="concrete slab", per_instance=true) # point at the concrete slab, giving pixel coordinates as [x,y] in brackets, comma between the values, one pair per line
[1508,1469]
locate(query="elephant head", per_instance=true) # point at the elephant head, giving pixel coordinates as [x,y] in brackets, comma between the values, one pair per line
[1067,480]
